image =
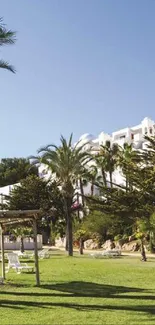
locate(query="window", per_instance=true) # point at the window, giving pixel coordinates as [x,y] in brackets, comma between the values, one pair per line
[132,136]
[122,136]
[150,130]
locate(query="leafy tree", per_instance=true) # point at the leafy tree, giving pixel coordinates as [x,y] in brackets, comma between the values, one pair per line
[13,170]
[134,203]
[37,193]
[7,37]
[67,162]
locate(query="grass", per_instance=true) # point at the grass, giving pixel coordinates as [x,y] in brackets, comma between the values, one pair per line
[81,290]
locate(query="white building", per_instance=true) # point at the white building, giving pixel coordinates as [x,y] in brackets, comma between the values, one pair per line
[131,135]
[134,135]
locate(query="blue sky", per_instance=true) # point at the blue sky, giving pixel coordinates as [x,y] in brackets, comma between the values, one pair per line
[82,66]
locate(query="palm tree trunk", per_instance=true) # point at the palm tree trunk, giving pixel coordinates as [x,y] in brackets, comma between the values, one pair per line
[66,240]
[70,235]
[22,244]
[69,228]
[92,188]
[111,184]
[82,191]
[104,177]
[144,259]
[81,246]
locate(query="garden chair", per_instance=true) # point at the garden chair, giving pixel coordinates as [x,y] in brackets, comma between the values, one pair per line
[44,253]
[14,263]
[112,253]
[108,253]
[23,255]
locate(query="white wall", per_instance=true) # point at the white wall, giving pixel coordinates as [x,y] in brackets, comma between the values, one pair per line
[28,243]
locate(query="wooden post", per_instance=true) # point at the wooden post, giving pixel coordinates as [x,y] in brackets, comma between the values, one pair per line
[2,250]
[36,252]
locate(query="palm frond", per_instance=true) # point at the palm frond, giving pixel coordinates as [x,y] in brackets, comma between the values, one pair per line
[7,37]
[46,148]
[70,140]
[7,66]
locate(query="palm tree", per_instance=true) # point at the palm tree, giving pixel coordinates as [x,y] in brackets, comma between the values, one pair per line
[100,164]
[7,37]
[107,158]
[68,163]
[128,157]
[93,177]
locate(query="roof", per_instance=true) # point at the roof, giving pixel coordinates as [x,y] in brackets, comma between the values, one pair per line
[8,217]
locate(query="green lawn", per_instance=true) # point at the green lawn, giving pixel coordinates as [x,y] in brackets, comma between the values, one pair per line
[81,290]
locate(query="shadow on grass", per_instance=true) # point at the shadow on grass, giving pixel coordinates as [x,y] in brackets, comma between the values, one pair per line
[97,290]
[19,304]
[81,289]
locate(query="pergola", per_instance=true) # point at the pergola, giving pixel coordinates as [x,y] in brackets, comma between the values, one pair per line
[16,217]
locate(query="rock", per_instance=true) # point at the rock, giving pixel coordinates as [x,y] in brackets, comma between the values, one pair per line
[90,244]
[131,246]
[109,244]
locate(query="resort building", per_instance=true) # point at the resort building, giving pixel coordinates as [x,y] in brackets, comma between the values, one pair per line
[134,135]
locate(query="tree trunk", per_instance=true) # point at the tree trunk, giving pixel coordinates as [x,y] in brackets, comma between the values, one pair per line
[144,259]
[111,184]
[70,234]
[22,244]
[82,192]
[66,239]
[69,230]
[81,246]
[92,189]
[104,177]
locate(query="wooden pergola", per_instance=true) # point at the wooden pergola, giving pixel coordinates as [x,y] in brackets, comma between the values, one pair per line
[16,217]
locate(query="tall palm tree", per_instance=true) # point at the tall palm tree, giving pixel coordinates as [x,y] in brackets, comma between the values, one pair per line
[107,159]
[67,162]
[93,177]
[128,157]
[7,37]
[100,164]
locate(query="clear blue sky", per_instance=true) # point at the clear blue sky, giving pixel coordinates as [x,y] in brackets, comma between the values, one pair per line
[82,66]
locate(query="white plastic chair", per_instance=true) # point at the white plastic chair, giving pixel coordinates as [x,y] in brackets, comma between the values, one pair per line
[14,263]
[44,253]
[23,255]
[108,253]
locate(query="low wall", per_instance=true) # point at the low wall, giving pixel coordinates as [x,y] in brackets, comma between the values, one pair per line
[15,245]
